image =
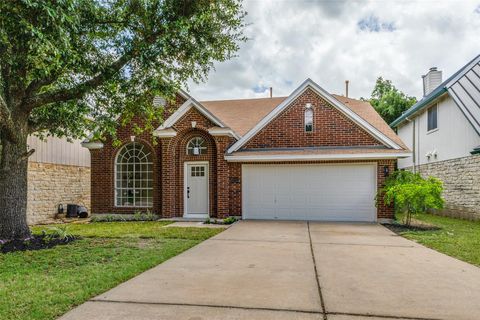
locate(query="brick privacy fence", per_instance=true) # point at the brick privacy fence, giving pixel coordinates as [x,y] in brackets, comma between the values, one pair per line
[461,182]
[52,184]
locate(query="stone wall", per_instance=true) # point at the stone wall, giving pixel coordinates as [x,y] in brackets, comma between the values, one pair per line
[52,184]
[461,182]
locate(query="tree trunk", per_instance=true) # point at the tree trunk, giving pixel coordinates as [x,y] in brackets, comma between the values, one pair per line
[13,188]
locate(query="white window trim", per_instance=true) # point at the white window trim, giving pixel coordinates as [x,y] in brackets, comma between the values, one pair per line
[203,148]
[115,189]
[308,109]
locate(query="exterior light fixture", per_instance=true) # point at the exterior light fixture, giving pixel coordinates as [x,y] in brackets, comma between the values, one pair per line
[386,171]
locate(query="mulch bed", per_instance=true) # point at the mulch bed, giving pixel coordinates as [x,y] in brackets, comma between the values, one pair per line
[36,242]
[415,225]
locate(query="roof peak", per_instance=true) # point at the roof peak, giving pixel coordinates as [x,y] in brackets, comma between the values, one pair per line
[243,99]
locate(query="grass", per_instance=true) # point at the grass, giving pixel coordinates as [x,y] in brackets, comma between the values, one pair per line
[47,283]
[457,238]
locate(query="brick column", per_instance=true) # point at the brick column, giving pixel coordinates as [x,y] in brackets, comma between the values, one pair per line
[223,190]
[383,211]
[168,178]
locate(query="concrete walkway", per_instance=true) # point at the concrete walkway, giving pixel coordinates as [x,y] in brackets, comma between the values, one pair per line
[297,270]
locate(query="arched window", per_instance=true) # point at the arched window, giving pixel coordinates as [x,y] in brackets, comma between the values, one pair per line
[308,119]
[134,176]
[196,146]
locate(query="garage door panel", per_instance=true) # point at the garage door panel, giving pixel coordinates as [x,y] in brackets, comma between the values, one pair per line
[312,192]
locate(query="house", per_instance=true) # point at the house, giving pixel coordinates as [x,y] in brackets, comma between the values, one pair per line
[443,132]
[309,156]
[58,174]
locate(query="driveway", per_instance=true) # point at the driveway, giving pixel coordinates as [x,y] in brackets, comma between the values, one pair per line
[297,270]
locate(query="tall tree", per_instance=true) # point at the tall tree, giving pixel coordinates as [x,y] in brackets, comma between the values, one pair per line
[389,102]
[69,66]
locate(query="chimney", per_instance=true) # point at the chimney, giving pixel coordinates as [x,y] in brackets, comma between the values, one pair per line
[271,92]
[431,80]
[346,88]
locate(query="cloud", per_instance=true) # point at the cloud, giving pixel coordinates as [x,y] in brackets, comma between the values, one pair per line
[323,40]
[259,88]
[373,24]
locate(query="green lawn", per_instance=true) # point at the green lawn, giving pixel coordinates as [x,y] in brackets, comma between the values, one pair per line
[45,284]
[457,238]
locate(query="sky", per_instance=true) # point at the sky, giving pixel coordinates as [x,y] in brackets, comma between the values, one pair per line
[333,41]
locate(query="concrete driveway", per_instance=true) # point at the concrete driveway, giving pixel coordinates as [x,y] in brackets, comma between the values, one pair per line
[297,270]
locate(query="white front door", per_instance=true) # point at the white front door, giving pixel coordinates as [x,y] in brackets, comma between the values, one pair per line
[196,190]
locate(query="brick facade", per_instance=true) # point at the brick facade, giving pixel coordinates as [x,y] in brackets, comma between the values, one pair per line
[331,128]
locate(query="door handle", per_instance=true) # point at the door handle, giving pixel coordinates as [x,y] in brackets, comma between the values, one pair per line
[188,192]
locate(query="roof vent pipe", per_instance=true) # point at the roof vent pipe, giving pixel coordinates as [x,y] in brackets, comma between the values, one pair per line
[346,88]
[431,80]
[271,92]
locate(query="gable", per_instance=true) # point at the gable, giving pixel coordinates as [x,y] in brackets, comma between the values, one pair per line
[193,115]
[330,127]
[308,84]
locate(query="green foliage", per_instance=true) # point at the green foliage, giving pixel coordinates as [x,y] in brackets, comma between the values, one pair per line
[77,65]
[411,193]
[455,237]
[389,102]
[45,284]
[229,220]
[137,216]
[60,232]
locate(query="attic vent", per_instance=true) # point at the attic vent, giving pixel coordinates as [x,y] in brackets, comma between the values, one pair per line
[159,101]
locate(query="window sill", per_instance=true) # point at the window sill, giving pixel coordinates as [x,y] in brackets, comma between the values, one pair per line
[432,131]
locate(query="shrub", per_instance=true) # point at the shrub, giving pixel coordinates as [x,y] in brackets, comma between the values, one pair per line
[411,193]
[137,216]
[59,232]
[229,220]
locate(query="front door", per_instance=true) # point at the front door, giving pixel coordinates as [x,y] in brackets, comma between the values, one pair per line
[196,190]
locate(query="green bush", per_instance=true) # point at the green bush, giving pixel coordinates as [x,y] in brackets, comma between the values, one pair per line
[411,193]
[137,216]
[229,220]
[58,232]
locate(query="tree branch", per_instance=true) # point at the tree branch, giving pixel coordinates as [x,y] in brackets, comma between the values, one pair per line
[6,122]
[78,91]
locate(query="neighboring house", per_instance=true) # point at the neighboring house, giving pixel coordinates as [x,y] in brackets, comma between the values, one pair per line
[443,131]
[58,173]
[308,156]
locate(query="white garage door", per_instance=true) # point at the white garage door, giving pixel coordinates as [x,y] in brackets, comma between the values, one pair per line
[309,192]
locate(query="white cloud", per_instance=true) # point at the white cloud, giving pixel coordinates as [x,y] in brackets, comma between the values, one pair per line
[331,41]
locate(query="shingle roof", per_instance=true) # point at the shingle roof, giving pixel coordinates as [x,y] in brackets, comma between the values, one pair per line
[365,110]
[242,115]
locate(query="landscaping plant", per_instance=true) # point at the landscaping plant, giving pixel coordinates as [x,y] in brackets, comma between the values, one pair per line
[411,193]
[70,67]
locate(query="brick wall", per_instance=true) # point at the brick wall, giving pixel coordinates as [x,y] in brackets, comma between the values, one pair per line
[103,167]
[461,183]
[330,127]
[52,184]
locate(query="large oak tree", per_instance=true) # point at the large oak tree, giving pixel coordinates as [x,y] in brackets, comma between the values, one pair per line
[73,66]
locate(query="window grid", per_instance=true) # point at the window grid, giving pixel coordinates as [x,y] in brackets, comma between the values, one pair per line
[134,176]
[308,120]
[197,171]
[196,146]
